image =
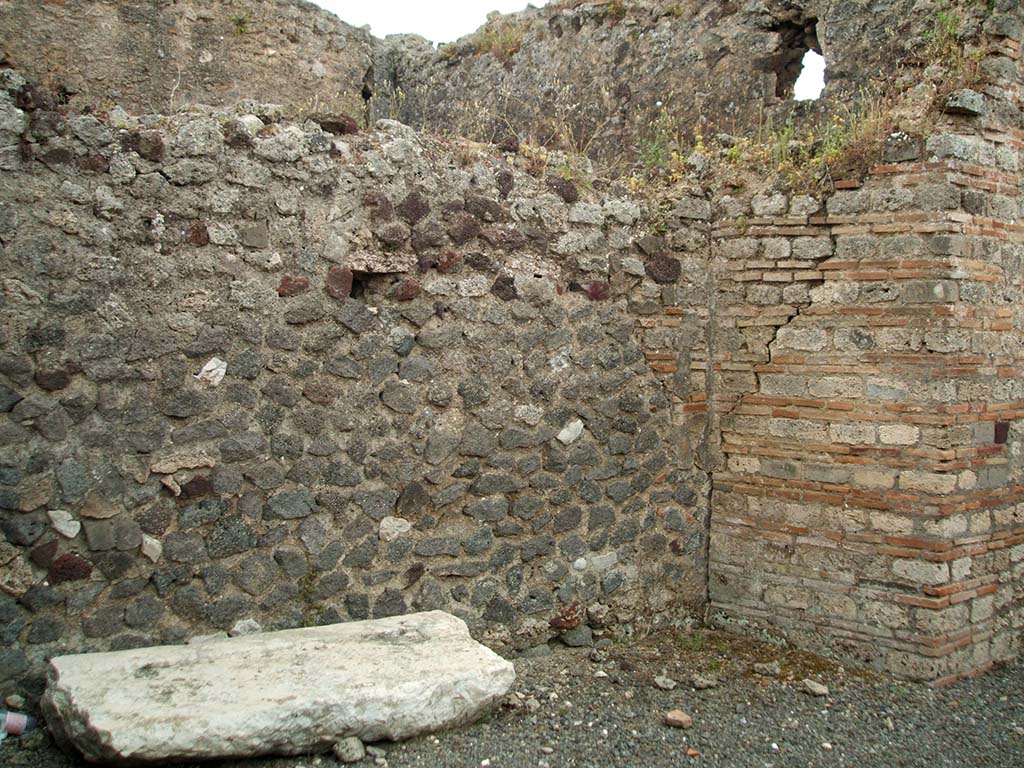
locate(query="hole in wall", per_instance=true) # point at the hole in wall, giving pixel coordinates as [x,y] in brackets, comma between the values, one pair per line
[796,38]
[811,83]
[360,281]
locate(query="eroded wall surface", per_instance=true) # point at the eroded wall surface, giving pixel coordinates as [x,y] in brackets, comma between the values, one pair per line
[156,56]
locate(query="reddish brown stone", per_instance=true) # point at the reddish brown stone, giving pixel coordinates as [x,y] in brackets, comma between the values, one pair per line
[463,229]
[505,181]
[292,286]
[31,97]
[508,143]
[339,282]
[414,574]
[94,163]
[68,567]
[380,205]
[197,234]
[448,260]
[339,124]
[43,555]
[484,208]
[503,236]
[597,290]
[150,146]
[570,616]
[407,290]
[413,208]
[1002,432]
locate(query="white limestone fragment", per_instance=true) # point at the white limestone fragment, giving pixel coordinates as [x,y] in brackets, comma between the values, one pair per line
[571,432]
[151,547]
[288,693]
[213,372]
[245,627]
[64,523]
[393,527]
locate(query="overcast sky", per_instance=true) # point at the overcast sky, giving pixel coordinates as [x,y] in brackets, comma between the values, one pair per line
[442,22]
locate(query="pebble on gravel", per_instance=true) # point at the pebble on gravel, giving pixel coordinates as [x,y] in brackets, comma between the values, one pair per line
[703,682]
[349,750]
[678,719]
[664,683]
[770,669]
[814,688]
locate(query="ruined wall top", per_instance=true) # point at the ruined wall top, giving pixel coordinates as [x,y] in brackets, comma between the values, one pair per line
[155,56]
[590,77]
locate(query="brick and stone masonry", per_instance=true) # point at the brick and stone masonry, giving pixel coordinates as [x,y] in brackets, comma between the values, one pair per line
[870,494]
[530,401]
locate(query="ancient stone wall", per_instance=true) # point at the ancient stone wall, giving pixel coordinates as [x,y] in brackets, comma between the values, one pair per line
[497,384]
[440,388]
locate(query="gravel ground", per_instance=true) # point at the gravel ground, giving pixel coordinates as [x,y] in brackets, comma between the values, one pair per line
[601,708]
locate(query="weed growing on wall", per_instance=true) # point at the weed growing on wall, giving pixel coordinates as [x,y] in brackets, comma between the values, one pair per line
[501,37]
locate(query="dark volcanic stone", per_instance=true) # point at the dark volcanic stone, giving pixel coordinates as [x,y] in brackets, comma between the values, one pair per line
[391,603]
[289,505]
[564,188]
[45,629]
[23,530]
[504,288]
[8,398]
[230,536]
[414,501]
[663,269]
[53,380]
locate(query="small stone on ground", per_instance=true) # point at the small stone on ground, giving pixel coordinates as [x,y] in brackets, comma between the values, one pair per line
[676,718]
[349,750]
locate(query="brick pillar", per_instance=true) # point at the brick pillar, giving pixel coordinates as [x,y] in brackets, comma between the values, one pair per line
[872,496]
